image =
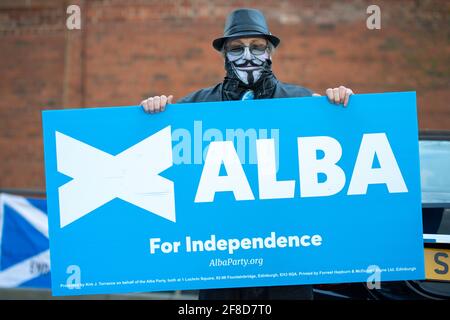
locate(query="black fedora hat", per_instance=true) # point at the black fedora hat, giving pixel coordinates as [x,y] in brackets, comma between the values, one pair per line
[245,23]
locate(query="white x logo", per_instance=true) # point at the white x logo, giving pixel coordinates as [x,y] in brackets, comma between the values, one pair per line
[99,177]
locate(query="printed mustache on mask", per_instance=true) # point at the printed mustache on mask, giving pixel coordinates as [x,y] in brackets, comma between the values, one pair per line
[248,63]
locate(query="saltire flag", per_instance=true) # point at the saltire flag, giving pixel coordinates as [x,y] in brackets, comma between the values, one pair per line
[24,244]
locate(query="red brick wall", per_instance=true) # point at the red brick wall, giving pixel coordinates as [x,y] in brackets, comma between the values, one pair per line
[131,49]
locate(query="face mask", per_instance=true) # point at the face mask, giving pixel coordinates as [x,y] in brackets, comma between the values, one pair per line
[248,63]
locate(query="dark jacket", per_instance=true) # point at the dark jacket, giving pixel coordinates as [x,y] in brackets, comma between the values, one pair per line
[229,90]
[232,89]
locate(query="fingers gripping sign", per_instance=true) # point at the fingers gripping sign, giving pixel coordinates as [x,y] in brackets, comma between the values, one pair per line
[156,104]
[340,95]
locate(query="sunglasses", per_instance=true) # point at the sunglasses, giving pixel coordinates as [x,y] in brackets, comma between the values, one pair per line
[255,49]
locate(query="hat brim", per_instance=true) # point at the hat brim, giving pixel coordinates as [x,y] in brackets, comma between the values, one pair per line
[219,42]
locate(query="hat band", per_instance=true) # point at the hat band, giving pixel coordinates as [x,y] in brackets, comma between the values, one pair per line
[245,28]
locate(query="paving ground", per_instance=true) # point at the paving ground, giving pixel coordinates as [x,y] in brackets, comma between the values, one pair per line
[35,294]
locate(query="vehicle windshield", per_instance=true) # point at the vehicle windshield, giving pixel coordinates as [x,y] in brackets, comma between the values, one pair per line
[435,173]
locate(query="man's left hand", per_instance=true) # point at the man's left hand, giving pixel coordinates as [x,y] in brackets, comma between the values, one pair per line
[338,95]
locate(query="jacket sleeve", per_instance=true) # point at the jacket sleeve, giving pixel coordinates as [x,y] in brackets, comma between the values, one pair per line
[189,98]
[287,90]
[203,95]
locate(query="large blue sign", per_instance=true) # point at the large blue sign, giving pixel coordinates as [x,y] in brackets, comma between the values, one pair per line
[234,194]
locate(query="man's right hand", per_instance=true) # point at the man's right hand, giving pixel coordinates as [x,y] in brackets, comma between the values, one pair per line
[156,104]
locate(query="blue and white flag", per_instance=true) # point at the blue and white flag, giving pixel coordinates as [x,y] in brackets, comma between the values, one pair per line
[24,245]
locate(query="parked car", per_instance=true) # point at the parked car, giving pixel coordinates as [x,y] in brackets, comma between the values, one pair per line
[434,148]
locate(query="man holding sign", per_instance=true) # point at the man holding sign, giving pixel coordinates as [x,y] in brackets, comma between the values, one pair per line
[247,47]
[304,198]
